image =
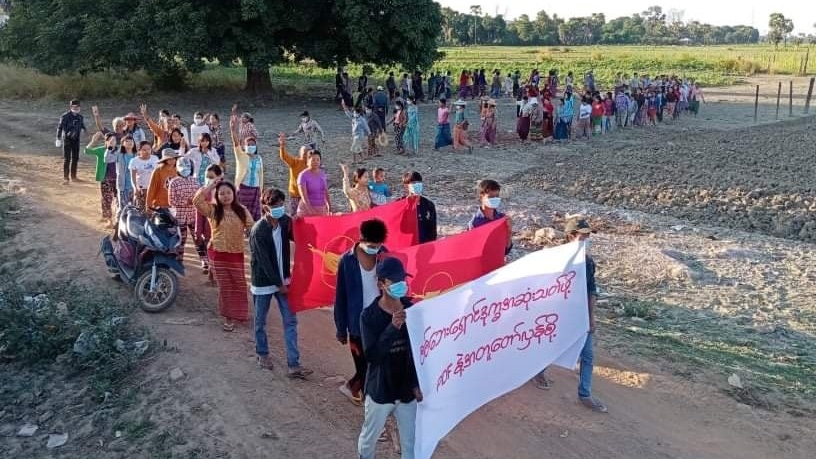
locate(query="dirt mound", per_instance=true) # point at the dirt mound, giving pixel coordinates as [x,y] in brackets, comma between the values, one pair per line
[756,179]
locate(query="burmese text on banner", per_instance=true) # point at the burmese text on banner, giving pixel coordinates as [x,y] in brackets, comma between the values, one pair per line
[441,265]
[321,241]
[490,336]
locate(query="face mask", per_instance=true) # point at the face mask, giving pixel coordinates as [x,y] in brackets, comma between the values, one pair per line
[251,149]
[74,110]
[415,188]
[198,121]
[493,203]
[277,212]
[371,250]
[304,119]
[398,290]
[209,181]
[368,112]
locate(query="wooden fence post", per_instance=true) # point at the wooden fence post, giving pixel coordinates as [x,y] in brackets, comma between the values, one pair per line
[756,104]
[790,100]
[805,65]
[809,95]
[778,97]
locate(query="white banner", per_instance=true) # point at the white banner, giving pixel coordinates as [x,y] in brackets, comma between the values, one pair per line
[492,335]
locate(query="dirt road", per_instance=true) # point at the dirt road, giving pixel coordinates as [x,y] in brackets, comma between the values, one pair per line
[227,407]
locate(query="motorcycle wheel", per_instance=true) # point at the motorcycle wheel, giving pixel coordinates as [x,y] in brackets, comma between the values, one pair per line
[164,294]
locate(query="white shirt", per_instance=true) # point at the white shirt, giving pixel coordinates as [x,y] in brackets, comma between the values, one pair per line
[586,111]
[196,131]
[195,156]
[277,239]
[370,289]
[144,168]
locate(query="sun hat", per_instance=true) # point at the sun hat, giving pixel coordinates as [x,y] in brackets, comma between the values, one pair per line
[168,154]
[382,139]
[491,102]
[132,116]
[460,103]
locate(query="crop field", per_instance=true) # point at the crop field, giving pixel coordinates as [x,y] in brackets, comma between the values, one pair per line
[710,66]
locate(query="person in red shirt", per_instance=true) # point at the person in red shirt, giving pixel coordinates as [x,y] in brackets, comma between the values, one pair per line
[597,115]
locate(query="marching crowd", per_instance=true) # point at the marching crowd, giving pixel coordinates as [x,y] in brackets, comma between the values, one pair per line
[222,205]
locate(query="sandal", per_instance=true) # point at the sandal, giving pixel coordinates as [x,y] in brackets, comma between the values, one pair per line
[229,328]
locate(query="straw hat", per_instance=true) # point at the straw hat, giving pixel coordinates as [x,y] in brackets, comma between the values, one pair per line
[382,139]
[460,103]
[168,154]
[491,102]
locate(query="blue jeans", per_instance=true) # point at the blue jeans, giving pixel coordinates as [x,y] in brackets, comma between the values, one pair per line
[262,303]
[375,416]
[586,366]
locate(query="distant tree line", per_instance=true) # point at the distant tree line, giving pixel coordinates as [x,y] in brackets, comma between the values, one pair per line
[651,27]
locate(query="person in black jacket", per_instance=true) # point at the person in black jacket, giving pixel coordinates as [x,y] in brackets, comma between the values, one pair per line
[70,127]
[356,289]
[270,268]
[391,384]
[426,210]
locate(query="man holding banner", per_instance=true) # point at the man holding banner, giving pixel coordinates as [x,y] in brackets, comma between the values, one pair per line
[579,230]
[391,382]
[356,289]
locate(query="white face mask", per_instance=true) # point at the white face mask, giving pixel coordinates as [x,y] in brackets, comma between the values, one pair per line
[199,121]
[75,110]
[304,119]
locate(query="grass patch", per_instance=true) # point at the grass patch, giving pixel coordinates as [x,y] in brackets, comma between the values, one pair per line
[87,330]
[776,368]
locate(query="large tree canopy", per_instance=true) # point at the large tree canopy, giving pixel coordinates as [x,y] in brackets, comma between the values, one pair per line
[171,38]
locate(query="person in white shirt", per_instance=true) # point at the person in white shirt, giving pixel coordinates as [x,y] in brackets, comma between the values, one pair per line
[202,156]
[198,128]
[583,118]
[141,168]
[309,128]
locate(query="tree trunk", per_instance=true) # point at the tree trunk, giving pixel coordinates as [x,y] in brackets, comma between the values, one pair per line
[258,80]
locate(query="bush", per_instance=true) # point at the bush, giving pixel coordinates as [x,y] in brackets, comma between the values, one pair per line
[89,328]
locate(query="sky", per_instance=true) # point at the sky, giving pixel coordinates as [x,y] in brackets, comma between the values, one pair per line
[744,12]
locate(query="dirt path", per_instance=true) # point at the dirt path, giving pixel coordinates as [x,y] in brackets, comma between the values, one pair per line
[227,407]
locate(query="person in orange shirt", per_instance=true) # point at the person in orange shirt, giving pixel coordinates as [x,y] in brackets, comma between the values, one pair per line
[161,130]
[296,166]
[157,194]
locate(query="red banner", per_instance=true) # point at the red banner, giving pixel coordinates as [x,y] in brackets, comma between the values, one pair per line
[442,265]
[321,241]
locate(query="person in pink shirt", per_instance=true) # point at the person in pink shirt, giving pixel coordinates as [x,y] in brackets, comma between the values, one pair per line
[443,130]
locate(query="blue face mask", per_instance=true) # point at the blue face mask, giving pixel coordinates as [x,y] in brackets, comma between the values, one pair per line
[398,290]
[370,250]
[277,212]
[415,188]
[493,203]
[251,149]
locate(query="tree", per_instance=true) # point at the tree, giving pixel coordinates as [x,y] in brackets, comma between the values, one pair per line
[779,28]
[171,38]
[476,10]
[524,29]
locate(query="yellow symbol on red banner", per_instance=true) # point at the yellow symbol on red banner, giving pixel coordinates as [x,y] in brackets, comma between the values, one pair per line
[330,255]
[442,283]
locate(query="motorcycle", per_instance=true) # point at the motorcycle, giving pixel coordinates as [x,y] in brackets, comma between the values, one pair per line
[142,254]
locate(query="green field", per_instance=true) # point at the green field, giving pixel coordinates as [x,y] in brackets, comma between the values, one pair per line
[712,65]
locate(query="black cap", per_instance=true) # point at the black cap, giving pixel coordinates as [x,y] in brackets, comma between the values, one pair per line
[392,269]
[74,102]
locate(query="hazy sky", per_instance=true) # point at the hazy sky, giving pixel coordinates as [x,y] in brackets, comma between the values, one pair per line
[743,12]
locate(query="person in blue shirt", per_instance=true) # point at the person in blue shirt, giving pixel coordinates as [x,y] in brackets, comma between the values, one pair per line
[379,189]
[356,290]
[579,230]
[489,203]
